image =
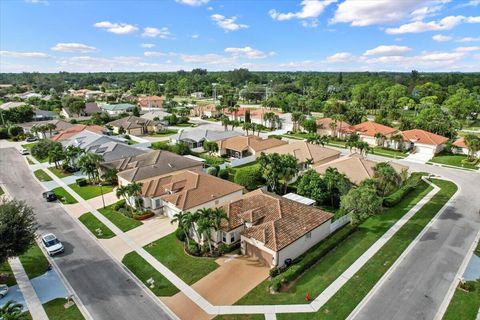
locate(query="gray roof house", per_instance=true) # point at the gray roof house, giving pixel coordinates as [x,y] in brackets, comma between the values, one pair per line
[43,115]
[90,108]
[115,109]
[194,138]
[155,114]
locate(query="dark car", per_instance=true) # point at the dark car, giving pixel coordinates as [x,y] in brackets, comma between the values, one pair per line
[49,196]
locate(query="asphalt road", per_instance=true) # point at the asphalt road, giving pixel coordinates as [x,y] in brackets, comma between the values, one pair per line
[417,288]
[103,286]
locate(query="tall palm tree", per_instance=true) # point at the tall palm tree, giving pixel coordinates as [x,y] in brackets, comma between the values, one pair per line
[135,191]
[50,127]
[246,126]
[88,164]
[225,122]
[204,225]
[11,311]
[56,154]
[217,215]
[180,218]
[122,192]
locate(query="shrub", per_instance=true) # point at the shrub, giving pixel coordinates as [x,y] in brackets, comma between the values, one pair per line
[14,131]
[223,174]
[410,184]
[212,171]
[192,248]
[81,182]
[275,136]
[161,145]
[127,137]
[119,205]
[250,178]
[467,286]
[274,272]
[3,133]
[143,215]
[180,234]
[127,213]
[41,149]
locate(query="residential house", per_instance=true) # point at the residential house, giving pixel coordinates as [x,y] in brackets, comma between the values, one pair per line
[151,165]
[70,132]
[90,108]
[60,125]
[135,125]
[245,146]
[460,147]
[155,115]
[116,109]
[375,134]
[150,102]
[11,105]
[306,153]
[187,191]
[423,142]
[356,167]
[332,128]
[43,115]
[209,110]
[272,228]
[194,138]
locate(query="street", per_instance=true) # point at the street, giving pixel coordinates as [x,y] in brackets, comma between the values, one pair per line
[102,285]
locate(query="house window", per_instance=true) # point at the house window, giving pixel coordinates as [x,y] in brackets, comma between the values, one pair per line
[157,203]
[308,235]
[232,238]
[216,202]
[224,237]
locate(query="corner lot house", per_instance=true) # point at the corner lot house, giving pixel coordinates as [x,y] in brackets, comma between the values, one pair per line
[356,167]
[135,125]
[306,153]
[194,138]
[149,166]
[273,228]
[461,147]
[368,131]
[116,109]
[332,128]
[150,102]
[424,142]
[187,191]
[245,146]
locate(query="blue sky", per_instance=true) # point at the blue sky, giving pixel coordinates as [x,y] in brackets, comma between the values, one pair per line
[168,35]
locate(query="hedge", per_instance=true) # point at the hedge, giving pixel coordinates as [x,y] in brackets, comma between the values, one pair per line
[249,177]
[311,257]
[410,184]
[81,182]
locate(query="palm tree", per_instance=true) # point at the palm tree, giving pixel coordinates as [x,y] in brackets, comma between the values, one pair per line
[204,225]
[181,219]
[289,170]
[225,122]
[122,192]
[135,191]
[89,163]
[258,128]
[473,145]
[50,127]
[296,118]
[217,215]
[110,175]
[11,311]
[397,138]
[71,154]
[387,177]
[379,137]
[56,154]
[246,126]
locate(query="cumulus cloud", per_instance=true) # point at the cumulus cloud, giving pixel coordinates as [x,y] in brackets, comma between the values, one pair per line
[467,49]
[193,3]
[468,39]
[73,47]
[147,45]
[247,52]
[154,54]
[18,54]
[446,23]
[311,9]
[340,57]
[227,24]
[441,38]
[209,58]
[151,32]
[117,28]
[384,50]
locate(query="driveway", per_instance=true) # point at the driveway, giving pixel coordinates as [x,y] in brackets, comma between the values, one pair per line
[235,277]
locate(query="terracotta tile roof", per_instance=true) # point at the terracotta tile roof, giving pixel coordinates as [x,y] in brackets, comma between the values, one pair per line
[70,132]
[277,221]
[324,123]
[356,167]
[189,189]
[423,137]
[460,142]
[151,164]
[242,143]
[370,128]
[131,122]
[303,151]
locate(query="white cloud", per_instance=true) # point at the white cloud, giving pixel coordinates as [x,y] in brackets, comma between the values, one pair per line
[44,2]
[209,58]
[340,57]
[151,32]
[154,54]
[227,24]
[441,38]
[384,50]
[147,45]
[18,54]
[311,9]
[195,36]
[468,39]
[446,23]
[117,28]
[467,49]
[73,47]
[193,3]
[247,52]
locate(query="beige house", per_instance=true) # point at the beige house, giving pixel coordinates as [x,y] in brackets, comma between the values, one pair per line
[332,128]
[209,110]
[356,167]
[150,102]
[375,134]
[244,146]
[135,125]
[461,147]
[423,142]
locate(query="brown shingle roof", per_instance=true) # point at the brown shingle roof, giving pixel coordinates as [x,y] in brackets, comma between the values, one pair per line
[424,137]
[131,122]
[370,128]
[189,189]
[242,143]
[303,151]
[277,221]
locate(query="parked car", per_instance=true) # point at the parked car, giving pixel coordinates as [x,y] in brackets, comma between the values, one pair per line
[3,290]
[204,116]
[52,244]
[24,152]
[31,139]
[49,196]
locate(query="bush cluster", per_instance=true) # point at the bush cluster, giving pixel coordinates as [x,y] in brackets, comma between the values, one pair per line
[250,178]
[410,184]
[81,182]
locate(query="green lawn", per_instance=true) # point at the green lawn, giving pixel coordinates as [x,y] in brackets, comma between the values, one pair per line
[64,196]
[169,251]
[117,218]
[331,266]
[7,271]
[29,147]
[464,305]
[59,173]
[211,160]
[144,271]
[389,152]
[42,175]
[90,191]
[188,124]
[240,317]
[95,226]
[165,133]
[131,142]
[352,293]
[34,262]
[29,160]
[452,160]
[55,310]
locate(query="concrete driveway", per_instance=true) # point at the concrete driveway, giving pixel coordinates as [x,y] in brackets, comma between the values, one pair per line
[235,277]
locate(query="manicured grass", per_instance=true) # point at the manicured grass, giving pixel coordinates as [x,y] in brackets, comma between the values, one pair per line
[144,271]
[59,173]
[169,251]
[34,262]
[55,310]
[90,191]
[64,196]
[131,142]
[352,293]
[188,124]
[331,266]
[212,160]
[298,135]
[117,218]
[240,317]
[7,271]
[30,162]
[389,152]
[165,133]
[42,175]
[464,305]
[95,225]
[452,160]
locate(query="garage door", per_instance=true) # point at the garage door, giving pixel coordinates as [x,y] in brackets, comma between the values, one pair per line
[424,150]
[264,257]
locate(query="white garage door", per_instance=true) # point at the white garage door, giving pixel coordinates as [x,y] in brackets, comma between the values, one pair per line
[424,150]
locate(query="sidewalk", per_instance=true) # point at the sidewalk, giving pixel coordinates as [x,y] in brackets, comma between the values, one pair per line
[31,299]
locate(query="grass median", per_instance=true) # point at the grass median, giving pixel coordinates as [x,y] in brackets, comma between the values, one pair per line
[90,191]
[34,262]
[42,175]
[63,196]
[56,311]
[95,226]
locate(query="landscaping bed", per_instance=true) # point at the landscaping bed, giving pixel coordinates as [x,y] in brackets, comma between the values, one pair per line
[42,175]
[123,222]
[55,310]
[95,226]
[34,262]
[63,196]
[90,191]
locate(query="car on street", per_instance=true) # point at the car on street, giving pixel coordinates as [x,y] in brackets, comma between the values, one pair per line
[49,196]
[52,244]
[24,152]
[3,290]
[31,139]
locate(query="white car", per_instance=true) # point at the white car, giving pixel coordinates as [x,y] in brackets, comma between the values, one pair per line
[3,290]
[24,152]
[52,244]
